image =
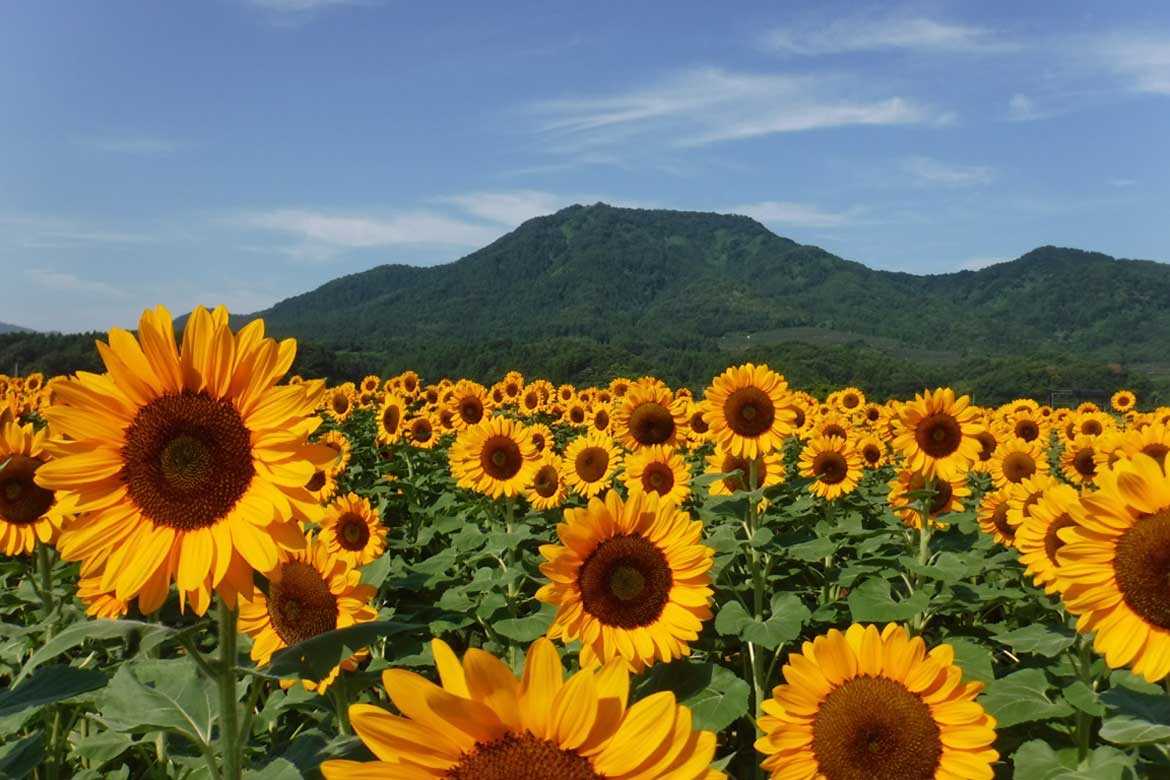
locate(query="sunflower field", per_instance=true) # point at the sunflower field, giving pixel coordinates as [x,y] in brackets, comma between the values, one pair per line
[214,570]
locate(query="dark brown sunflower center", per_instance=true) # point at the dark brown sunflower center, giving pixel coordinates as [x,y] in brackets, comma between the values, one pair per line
[999,518]
[592,463]
[1027,430]
[1092,427]
[873,414]
[872,453]
[546,481]
[651,423]
[830,467]
[577,415]
[501,458]
[1157,451]
[188,460]
[658,478]
[471,410]
[698,424]
[521,757]
[939,435]
[987,445]
[625,582]
[1142,567]
[531,400]
[340,403]
[353,531]
[316,482]
[833,429]
[850,401]
[1085,463]
[872,728]
[22,501]
[601,420]
[300,605]
[738,483]
[391,418]
[749,412]
[422,430]
[1052,540]
[798,421]
[1018,466]
[538,441]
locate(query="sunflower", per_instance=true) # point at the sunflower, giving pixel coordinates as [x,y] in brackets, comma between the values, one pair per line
[99,603]
[577,413]
[1123,401]
[619,386]
[600,419]
[352,530]
[988,444]
[481,723]
[698,431]
[541,437]
[873,452]
[747,410]
[648,414]
[589,464]
[948,497]
[832,423]
[531,401]
[659,470]
[629,579]
[1022,497]
[188,465]
[391,414]
[28,512]
[936,433]
[1116,562]
[870,704]
[339,443]
[1078,461]
[850,399]
[565,393]
[470,403]
[494,458]
[769,471]
[874,415]
[1015,460]
[833,464]
[309,593]
[1027,426]
[339,404]
[1038,538]
[1152,440]
[513,385]
[322,485]
[420,432]
[993,517]
[1088,423]
[547,489]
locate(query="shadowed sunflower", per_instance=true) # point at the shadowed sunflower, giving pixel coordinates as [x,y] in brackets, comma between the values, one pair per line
[873,452]
[310,593]
[322,485]
[494,458]
[936,433]
[948,497]
[1123,401]
[99,603]
[547,489]
[769,471]
[832,423]
[482,723]
[648,414]
[658,470]
[390,417]
[28,512]
[541,437]
[630,580]
[1015,460]
[698,431]
[1038,538]
[833,465]
[1022,497]
[864,705]
[748,410]
[589,464]
[988,443]
[1116,563]
[339,443]
[187,465]
[1078,461]
[352,530]
[993,517]
[421,433]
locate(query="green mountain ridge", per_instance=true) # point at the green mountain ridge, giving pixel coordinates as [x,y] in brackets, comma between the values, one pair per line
[6,327]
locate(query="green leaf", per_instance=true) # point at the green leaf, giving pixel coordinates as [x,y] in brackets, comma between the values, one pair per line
[716,696]
[1084,699]
[19,758]
[280,769]
[526,629]
[375,572]
[872,602]
[47,685]
[1135,718]
[314,658]
[168,695]
[1036,760]
[131,632]
[973,658]
[1021,697]
[788,614]
[1048,640]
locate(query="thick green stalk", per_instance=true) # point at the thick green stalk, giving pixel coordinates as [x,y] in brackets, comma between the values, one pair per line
[45,570]
[1084,722]
[918,622]
[229,724]
[756,655]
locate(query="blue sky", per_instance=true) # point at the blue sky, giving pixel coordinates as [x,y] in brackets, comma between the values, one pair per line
[241,151]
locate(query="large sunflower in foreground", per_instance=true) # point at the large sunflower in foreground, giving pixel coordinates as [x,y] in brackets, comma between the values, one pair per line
[187,464]
[875,705]
[495,458]
[310,593]
[1116,563]
[747,410]
[936,433]
[833,465]
[659,470]
[630,580]
[481,723]
[28,512]
[589,464]
[649,414]
[352,530]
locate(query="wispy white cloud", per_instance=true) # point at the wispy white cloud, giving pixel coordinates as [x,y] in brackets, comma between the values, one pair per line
[64,281]
[1141,59]
[877,33]
[928,171]
[130,143]
[709,105]
[300,6]
[790,214]
[31,231]
[1022,108]
[1122,183]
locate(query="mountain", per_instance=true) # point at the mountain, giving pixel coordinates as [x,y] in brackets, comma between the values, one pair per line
[594,291]
[6,328]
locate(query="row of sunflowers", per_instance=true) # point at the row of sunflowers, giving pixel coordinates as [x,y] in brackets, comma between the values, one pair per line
[216,571]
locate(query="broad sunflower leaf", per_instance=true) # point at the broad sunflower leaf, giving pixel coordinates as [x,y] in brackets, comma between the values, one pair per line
[133,632]
[168,695]
[314,658]
[1037,760]
[278,769]
[47,685]
[1135,717]
[716,695]
[872,602]
[788,614]
[19,758]
[526,629]
[1021,697]
[1044,639]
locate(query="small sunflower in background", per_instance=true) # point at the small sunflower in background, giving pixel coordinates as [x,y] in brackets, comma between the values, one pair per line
[421,432]
[541,437]
[1078,460]
[649,414]
[873,452]
[339,443]
[988,444]
[389,419]
[29,513]
[339,404]
[600,419]
[875,704]
[993,516]
[658,470]
[833,465]
[352,530]
[1123,401]
[547,489]
[748,410]
[1039,537]
[936,433]
[470,404]
[590,462]
[309,594]
[630,580]
[947,497]
[494,458]
[1015,460]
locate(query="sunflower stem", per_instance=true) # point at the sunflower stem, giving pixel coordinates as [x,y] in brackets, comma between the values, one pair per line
[45,570]
[341,705]
[509,518]
[229,725]
[919,620]
[758,663]
[1084,722]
